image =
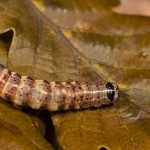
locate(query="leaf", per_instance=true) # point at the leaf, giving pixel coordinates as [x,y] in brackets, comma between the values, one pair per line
[20,130]
[87,15]
[118,50]
[88,42]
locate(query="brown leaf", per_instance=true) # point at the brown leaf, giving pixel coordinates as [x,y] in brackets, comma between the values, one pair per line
[117,50]
[100,45]
[20,130]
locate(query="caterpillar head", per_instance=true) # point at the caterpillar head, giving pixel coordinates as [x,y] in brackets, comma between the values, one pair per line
[112,91]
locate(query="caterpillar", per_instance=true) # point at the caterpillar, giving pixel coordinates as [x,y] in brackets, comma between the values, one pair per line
[41,94]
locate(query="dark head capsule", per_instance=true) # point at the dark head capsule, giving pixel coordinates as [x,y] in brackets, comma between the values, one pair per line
[112,91]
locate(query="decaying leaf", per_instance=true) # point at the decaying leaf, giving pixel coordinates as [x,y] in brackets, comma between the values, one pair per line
[85,41]
[20,130]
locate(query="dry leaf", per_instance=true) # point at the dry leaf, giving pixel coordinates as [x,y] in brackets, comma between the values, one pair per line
[88,42]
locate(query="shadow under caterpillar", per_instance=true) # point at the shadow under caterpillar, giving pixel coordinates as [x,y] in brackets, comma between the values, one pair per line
[53,96]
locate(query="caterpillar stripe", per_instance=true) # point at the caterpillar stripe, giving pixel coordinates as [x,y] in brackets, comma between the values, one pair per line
[23,90]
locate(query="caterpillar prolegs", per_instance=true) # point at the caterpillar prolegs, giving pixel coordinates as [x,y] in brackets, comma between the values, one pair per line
[23,90]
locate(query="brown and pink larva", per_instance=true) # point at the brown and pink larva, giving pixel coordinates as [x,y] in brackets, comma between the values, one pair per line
[23,90]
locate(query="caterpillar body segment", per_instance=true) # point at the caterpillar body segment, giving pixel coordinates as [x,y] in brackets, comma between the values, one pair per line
[41,94]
